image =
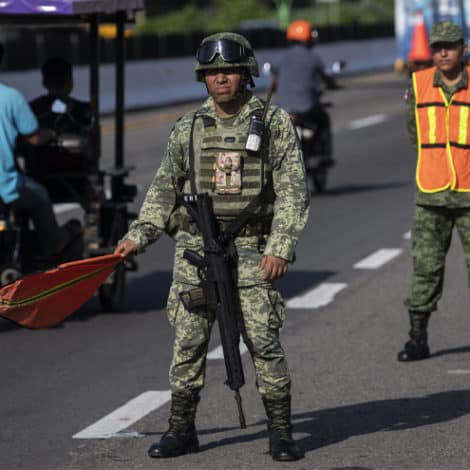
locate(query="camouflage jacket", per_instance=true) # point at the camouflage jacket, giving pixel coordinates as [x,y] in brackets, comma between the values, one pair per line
[446,198]
[161,211]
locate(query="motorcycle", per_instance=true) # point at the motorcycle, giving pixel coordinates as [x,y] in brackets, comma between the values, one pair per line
[315,136]
[317,148]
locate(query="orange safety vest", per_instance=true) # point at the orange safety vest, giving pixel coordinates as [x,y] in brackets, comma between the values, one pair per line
[443,135]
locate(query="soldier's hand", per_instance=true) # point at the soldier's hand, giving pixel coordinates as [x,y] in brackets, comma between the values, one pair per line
[125,248]
[273,267]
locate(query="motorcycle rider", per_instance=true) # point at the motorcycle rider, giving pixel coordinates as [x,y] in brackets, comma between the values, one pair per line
[57,79]
[299,77]
[19,190]
[58,110]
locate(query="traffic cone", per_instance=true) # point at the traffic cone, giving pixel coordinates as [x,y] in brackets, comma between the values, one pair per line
[419,50]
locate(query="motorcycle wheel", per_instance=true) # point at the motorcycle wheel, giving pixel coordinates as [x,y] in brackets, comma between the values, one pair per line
[112,292]
[319,180]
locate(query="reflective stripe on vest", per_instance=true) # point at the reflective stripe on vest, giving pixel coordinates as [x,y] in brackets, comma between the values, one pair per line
[443,136]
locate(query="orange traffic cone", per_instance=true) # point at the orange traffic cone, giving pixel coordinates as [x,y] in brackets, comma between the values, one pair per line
[419,50]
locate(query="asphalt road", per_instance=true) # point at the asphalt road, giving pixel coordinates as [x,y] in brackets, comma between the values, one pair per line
[92,392]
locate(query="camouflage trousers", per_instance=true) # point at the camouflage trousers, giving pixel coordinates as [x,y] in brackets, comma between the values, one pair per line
[431,237]
[263,315]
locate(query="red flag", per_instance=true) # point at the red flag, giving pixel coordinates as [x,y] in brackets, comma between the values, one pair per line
[44,299]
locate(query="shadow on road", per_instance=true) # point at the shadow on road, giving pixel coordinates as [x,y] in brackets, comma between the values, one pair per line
[333,425]
[444,352]
[326,427]
[297,282]
[362,188]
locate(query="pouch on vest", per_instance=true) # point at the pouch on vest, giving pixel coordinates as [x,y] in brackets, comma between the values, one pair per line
[228,178]
[194,299]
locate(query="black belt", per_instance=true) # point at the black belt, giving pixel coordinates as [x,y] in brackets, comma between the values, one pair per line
[249,230]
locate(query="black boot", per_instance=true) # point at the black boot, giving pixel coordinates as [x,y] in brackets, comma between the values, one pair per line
[282,446]
[417,347]
[181,437]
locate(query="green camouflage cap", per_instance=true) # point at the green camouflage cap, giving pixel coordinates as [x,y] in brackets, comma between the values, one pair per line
[248,62]
[445,31]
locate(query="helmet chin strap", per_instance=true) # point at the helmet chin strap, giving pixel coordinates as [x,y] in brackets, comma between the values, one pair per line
[247,80]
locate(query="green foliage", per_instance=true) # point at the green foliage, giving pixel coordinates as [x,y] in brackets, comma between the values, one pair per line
[347,12]
[229,13]
[189,18]
[217,15]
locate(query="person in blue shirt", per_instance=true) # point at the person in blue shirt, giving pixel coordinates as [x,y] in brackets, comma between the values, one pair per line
[17,189]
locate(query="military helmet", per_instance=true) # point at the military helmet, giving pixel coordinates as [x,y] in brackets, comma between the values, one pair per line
[224,50]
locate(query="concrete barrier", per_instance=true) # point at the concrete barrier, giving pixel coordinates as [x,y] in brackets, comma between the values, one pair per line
[170,81]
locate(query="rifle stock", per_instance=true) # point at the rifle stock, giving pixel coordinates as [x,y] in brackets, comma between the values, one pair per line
[220,289]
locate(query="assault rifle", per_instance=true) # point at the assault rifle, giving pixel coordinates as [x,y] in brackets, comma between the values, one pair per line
[218,292]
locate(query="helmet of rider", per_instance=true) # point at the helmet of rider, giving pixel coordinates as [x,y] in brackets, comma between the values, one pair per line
[225,50]
[300,30]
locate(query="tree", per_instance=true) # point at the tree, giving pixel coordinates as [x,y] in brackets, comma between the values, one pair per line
[284,8]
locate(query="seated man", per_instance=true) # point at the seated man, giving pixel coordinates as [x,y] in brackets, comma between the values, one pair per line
[19,190]
[61,169]
[57,78]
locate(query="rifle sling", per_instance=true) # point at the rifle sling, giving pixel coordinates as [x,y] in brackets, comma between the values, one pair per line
[192,176]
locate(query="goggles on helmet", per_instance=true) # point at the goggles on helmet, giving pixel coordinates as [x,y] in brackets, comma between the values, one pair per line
[230,51]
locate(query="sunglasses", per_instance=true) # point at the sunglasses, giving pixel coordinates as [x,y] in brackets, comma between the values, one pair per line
[229,50]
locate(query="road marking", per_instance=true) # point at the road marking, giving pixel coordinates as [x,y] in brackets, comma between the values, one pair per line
[407,235]
[367,121]
[121,418]
[459,372]
[378,258]
[318,297]
[218,353]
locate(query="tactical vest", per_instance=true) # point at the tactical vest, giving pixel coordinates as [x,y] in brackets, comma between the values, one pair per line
[443,135]
[211,143]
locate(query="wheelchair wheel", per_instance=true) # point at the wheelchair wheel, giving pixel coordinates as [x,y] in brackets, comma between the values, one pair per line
[112,292]
[9,274]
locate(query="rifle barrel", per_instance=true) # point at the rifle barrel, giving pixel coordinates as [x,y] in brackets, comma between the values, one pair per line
[241,415]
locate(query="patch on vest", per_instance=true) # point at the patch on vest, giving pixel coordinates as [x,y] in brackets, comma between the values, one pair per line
[228,179]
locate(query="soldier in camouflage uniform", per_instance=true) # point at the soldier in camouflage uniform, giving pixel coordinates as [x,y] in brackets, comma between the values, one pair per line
[437,119]
[265,246]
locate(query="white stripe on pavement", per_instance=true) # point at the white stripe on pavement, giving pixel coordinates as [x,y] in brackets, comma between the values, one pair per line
[407,235]
[318,297]
[378,258]
[459,372]
[367,121]
[123,417]
[218,353]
